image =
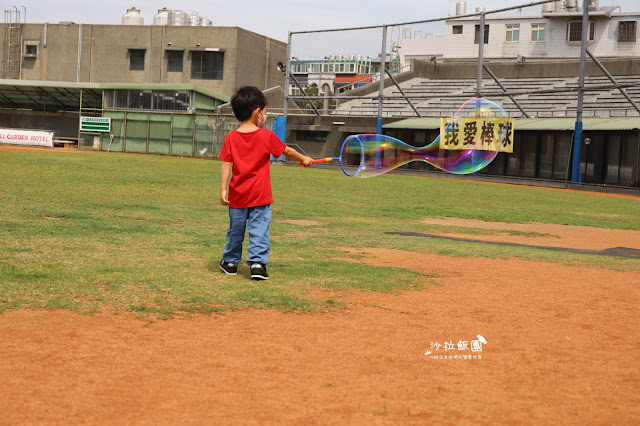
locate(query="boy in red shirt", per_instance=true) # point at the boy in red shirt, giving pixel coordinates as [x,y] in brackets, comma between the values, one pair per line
[247,153]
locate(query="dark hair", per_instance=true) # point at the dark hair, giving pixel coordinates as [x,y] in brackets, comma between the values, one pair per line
[246,100]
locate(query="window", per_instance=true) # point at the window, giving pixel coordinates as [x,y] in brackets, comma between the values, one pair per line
[294,90]
[538,32]
[574,31]
[31,50]
[207,65]
[136,59]
[175,60]
[147,99]
[477,35]
[457,29]
[512,33]
[627,31]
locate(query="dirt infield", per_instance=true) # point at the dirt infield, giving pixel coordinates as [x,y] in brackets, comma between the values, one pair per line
[544,234]
[562,346]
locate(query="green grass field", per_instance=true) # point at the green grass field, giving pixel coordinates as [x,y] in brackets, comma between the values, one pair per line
[145,233]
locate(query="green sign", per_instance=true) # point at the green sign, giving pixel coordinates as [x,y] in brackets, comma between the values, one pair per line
[95,124]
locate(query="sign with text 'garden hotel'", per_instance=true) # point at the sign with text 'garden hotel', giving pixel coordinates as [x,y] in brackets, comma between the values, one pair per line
[95,124]
[26,137]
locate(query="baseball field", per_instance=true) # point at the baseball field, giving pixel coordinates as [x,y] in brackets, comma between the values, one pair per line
[392,300]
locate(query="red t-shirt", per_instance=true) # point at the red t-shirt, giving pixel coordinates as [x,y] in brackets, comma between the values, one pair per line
[250,184]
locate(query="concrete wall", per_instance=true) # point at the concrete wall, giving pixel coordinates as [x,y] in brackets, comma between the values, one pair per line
[530,69]
[336,128]
[257,60]
[249,58]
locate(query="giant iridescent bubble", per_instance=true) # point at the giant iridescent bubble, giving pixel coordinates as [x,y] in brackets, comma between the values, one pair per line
[466,144]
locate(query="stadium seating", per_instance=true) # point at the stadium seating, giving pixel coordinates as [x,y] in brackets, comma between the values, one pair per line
[446,95]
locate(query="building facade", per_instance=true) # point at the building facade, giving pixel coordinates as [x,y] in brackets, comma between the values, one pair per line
[159,85]
[338,73]
[554,33]
[217,58]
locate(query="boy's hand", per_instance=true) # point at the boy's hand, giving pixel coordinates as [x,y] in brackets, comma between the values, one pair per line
[224,197]
[307,161]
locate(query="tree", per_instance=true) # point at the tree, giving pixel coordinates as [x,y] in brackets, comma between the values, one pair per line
[313,91]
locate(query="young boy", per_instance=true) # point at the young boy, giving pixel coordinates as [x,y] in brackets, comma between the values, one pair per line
[246,152]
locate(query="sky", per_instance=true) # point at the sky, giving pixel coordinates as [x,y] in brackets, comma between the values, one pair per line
[275,18]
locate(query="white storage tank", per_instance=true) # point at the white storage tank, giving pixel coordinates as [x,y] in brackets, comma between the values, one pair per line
[132,17]
[194,20]
[571,4]
[481,9]
[206,22]
[162,17]
[549,7]
[461,8]
[177,18]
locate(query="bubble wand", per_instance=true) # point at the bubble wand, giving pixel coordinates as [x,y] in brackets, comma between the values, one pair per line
[466,144]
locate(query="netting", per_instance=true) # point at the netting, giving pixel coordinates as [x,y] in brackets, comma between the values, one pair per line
[193,135]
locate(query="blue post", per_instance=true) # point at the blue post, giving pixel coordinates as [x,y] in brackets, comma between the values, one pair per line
[280,129]
[378,154]
[577,153]
[577,139]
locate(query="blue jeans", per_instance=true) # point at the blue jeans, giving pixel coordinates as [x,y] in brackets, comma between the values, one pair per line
[258,219]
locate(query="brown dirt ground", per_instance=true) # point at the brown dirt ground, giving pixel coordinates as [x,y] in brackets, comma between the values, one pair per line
[41,149]
[563,347]
[544,234]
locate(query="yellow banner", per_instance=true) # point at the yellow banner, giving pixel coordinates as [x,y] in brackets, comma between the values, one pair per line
[479,133]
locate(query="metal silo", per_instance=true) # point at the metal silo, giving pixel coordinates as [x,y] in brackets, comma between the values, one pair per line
[177,18]
[132,17]
[461,8]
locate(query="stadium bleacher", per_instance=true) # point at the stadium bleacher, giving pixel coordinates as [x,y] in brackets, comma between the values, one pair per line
[446,95]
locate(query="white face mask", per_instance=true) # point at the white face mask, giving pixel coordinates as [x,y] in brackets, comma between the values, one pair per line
[264,116]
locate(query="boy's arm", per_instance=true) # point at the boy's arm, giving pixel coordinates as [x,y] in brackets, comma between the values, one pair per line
[225,175]
[296,156]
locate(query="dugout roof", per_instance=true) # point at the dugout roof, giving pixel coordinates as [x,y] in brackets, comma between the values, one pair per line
[558,124]
[65,96]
